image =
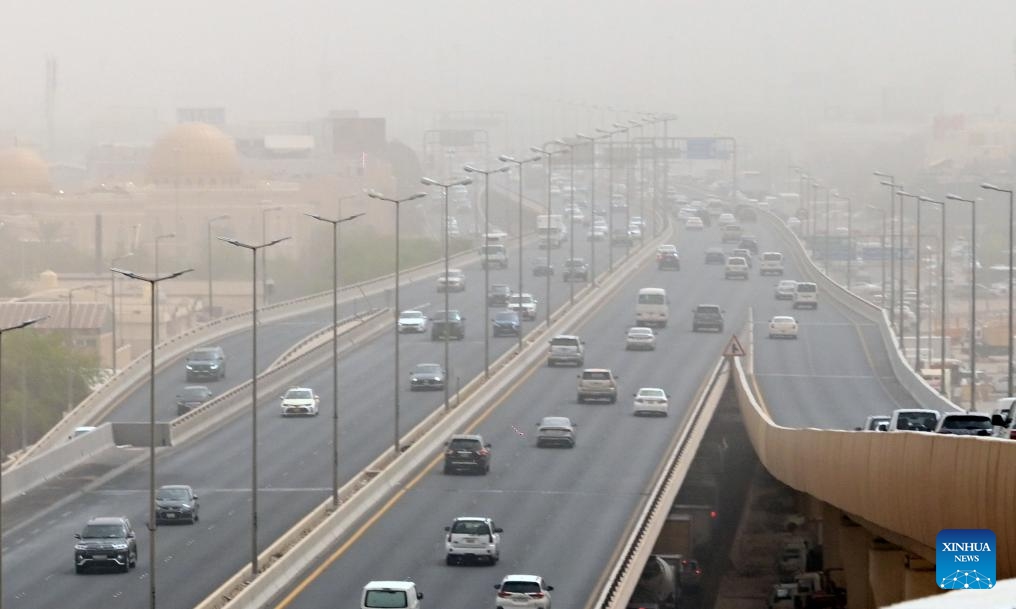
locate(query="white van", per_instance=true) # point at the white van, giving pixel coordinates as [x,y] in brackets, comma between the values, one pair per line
[652,307]
[390,595]
[806,295]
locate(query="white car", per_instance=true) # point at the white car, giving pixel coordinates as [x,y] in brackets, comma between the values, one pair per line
[454,282]
[524,304]
[651,400]
[637,221]
[785,289]
[725,219]
[694,223]
[686,213]
[522,592]
[666,248]
[300,400]
[412,321]
[640,338]
[783,326]
[635,231]
[472,538]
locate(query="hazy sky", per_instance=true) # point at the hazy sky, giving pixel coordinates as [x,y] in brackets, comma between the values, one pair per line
[706,60]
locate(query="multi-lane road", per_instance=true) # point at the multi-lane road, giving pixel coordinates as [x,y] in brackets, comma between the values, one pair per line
[294,458]
[563,511]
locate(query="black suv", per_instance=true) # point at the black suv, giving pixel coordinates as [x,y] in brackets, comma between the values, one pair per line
[707,316]
[715,255]
[498,295]
[575,269]
[206,363]
[106,541]
[749,243]
[451,323]
[176,503]
[467,452]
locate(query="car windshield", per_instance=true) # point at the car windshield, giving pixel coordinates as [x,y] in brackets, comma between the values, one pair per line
[172,494]
[506,317]
[652,299]
[520,587]
[201,355]
[539,262]
[574,262]
[427,369]
[194,392]
[965,421]
[640,332]
[652,393]
[563,342]
[916,421]
[103,531]
[492,249]
[788,284]
[464,444]
[500,289]
[525,298]
[558,422]
[299,394]
[412,315]
[806,287]
[442,315]
[385,599]
[708,310]
[783,320]
[772,257]
[470,527]
[596,375]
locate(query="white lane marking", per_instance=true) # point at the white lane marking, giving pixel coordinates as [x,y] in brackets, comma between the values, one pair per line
[19,541]
[168,558]
[47,578]
[820,376]
[66,514]
[190,542]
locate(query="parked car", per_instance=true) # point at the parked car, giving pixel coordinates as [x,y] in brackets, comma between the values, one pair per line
[206,363]
[300,401]
[106,541]
[427,376]
[467,452]
[471,538]
[176,503]
[412,321]
[555,431]
[191,397]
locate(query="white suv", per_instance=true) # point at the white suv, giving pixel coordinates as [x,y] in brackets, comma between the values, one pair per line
[736,267]
[523,591]
[806,295]
[472,538]
[770,262]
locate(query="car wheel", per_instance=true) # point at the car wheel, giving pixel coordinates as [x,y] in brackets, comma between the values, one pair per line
[580,399]
[450,560]
[613,399]
[196,517]
[447,469]
[126,566]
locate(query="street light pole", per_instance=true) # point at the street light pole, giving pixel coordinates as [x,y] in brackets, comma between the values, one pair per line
[592,202]
[571,216]
[942,294]
[917,282]
[642,179]
[17,326]
[549,154]
[335,347]
[891,183]
[1009,192]
[112,302]
[486,247]
[850,233]
[610,194]
[627,183]
[157,239]
[253,248]
[153,283]
[398,216]
[264,253]
[520,165]
[445,186]
[973,296]
[211,307]
[882,249]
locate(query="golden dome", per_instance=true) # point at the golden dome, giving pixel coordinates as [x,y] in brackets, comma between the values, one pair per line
[195,154]
[22,169]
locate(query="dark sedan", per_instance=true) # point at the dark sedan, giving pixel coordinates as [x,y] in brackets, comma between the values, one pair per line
[506,323]
[191,397]
[427,376]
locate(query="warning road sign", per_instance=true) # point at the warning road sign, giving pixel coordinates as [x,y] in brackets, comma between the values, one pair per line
[734,348]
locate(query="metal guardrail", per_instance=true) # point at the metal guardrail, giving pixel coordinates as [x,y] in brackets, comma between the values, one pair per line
[637,547]
[293,551]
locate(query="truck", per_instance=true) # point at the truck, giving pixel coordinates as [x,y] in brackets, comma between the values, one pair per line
[811,590]
[551,230]
[658,585]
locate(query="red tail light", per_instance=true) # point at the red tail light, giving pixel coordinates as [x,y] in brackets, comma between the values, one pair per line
[684,562]
[713,514]
[483,452]
[698,571]
[504,594]
[1012,434]
[536,594]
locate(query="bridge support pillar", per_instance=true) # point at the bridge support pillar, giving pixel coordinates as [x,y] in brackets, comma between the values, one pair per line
[886,573]
[919,578]
[831,537]
[854,542]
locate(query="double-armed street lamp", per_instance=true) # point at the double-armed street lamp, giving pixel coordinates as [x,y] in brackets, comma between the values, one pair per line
[520,166]
[609,135]
[373,194]
[153,283]
[335,222]
[973,296]
[445,186]
[890,182]
[592,202]
[549,155]
[253,249]
[486,173]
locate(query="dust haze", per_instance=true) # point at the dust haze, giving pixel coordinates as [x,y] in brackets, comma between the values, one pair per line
[726,65]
